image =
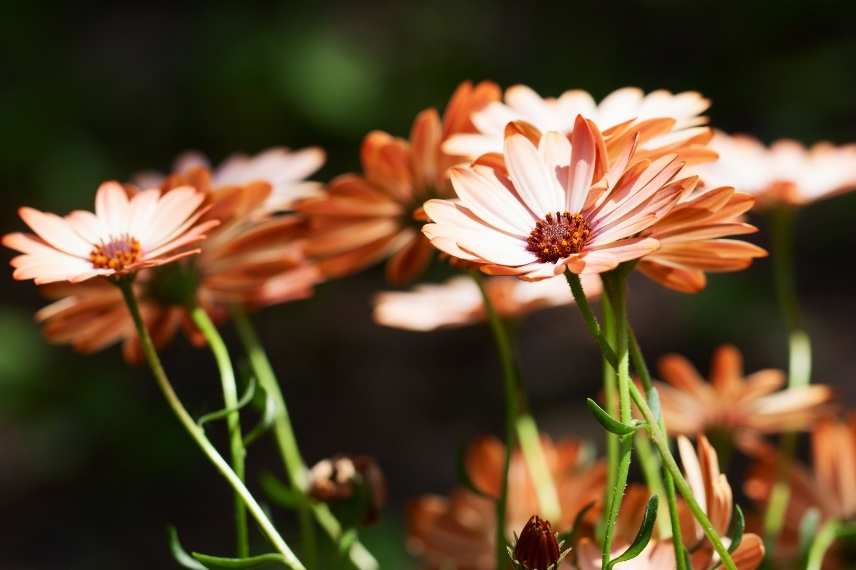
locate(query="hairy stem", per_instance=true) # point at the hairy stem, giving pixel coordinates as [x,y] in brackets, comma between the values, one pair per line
[610,391]
[293,462]
[668,482]
[615,284]
[662,443]
[233,419]
[198,435]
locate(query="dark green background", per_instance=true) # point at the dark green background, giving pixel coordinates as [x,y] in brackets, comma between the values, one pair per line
[92,466]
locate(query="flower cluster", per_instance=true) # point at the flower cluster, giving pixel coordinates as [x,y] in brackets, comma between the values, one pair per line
[534,202]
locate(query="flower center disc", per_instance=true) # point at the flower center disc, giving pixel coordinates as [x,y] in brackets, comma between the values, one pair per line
[558,236]
[117,254]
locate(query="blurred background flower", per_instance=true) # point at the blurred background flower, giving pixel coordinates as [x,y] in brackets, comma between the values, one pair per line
[94,464]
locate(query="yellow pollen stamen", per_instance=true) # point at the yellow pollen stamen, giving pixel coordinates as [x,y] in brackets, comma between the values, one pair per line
[117,254]
[558,236]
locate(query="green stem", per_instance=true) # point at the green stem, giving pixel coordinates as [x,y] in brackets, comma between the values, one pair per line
[233,419]
[610,391]
[824,539]
[668,483]
[519,425]
[615,284]
[198,434]
[799,361]
[293,462]
[662,443]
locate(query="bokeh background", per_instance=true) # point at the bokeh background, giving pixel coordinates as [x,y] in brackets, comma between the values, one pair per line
[93,466]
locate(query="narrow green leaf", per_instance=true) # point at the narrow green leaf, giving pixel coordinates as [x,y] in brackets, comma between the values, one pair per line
[643,536]
[265,423]
[221,414]
[249,562]
[735,529]
[609,423]
[179,553]
[282,494]
[464,476]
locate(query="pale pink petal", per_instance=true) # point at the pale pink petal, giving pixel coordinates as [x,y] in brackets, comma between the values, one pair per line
[173,210]
[88,226]
[56,231]
[482,192]
[112,208]
[581,167]
[528,174]
[555,150]
[143,211]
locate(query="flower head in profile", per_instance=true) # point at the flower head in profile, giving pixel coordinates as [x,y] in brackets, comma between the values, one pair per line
[747,405]
[356,484]
[695,238]
[784,173]
[122,237]
[459,530]
[365,218]
[665,122]
[458,301]
[548,204]
[711,490]
[828,486]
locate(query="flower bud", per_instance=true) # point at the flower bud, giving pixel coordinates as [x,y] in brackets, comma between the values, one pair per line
[353,484]
[537,548]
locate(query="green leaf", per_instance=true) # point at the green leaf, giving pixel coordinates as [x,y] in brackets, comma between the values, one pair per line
[643,536]
[572,534]
[282,494]
[464,477]
[609,423]
[735,529]
[221,414]
[249,562]
[266,422]
[179,553]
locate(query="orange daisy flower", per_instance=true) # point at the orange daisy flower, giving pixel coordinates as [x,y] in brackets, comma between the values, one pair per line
[458,301]
[549,204]
[665,122]
[829,486]
[459,530]
[254,259]
[365,218]
[122,237]
[748,405]
[694,239]
[784,173]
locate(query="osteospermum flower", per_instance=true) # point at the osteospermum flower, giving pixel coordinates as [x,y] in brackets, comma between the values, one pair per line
[695,239]
[665,122]
[253,259]
[712,491]
[746,405]
[829,485]
[784,173]
[459,530]
[547,206]
[122,237]
[458,301]
[284,170]
[364,218]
